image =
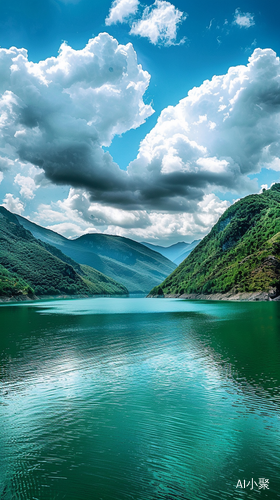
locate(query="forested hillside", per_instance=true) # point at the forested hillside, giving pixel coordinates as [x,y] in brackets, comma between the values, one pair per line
[30,267]
[240,254]
[128,262]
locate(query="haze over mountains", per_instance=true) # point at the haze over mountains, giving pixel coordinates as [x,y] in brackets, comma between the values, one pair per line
[177,252]
[132,264]
[240,254]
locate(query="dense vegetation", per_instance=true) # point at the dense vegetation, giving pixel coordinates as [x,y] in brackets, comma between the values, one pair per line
[29,266]
[240,254]
[134,265]
[12,285]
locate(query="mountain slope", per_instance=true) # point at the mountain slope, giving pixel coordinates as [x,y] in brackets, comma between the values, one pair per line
[171,252]
[182,256]
[28,266]
[240,254]
[176,253]
[135,266]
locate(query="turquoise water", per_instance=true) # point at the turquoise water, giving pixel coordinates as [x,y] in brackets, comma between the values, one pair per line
[140,399]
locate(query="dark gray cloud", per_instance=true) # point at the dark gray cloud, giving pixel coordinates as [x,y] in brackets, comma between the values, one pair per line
[58,114]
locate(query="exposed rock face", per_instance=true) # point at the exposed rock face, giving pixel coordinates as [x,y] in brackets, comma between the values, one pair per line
[230,296]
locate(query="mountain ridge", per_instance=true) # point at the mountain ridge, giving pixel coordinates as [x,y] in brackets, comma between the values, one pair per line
[240,255]
[176,252]
[30,267]
[126,261]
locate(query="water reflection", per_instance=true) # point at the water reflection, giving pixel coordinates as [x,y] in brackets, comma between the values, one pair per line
[139,399]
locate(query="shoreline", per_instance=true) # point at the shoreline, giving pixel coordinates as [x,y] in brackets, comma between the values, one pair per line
[229,296]
[34,298]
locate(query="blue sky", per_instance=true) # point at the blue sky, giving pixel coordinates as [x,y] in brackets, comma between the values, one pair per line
[93,142]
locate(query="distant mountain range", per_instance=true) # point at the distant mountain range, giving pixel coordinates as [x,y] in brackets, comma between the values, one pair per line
[30,267]
[177,252]
[132,264]
[240,254]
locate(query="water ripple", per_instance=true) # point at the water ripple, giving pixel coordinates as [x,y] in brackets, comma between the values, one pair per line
[138,399]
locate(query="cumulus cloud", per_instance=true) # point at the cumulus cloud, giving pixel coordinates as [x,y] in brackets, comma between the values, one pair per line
[13,204]
[273,165]
[77,215]
[220,133]
[79,201]
[50,214]
[167,227]
[243,19]
[57,114]
[5,163]
[264,187]
[121,10]
[159,23]
[27,186]
[70,230]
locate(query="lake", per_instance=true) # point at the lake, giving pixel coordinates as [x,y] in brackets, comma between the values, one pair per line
[139,399]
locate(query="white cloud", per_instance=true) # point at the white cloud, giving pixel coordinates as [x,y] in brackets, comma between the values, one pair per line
[5,163]
[12,204]
[69,229]
[58,113]
[185,155]
[79,207]
[210,24]
[263,187]
[273,165]
[121,10]
[213,165]
[77,215]
[50,213]
[167,227]
[1,176]
[243,19]
[159,23]
[27,186]
[72,105]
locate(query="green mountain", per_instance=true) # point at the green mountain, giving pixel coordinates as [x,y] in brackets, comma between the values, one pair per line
[29,266]
[240,254]
[176,253]
[135,266]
